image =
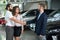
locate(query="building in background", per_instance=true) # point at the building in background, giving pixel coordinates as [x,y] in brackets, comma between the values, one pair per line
[30,4]
[2,8]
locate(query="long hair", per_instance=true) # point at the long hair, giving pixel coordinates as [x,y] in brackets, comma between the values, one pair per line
[8,5]
[14,10]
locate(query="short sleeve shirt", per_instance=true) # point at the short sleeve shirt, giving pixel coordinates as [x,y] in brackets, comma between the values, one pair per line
[19,17]
[9,15]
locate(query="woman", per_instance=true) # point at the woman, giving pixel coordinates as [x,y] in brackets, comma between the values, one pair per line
[17,28]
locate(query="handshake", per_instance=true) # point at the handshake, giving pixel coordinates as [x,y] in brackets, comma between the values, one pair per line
[23,22]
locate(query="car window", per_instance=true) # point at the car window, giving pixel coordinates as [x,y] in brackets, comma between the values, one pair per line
[57,15]
[23,12]
[47,11]
[30,13]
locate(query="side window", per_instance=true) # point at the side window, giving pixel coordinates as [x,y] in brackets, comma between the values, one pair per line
[30,13]
[57,15]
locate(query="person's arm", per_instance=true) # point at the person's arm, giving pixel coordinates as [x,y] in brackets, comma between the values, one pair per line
[34,20]
[18,21]
[11,17]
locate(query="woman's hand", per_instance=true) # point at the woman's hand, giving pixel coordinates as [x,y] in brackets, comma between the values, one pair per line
[23,23]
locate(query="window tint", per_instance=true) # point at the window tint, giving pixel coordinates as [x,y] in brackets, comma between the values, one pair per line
[56,14]
[31,13]
[47,11]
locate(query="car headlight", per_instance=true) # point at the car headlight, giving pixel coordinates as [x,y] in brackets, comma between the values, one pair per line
[32,25]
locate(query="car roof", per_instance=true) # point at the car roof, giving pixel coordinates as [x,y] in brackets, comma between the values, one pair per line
[54,12]
[47,11]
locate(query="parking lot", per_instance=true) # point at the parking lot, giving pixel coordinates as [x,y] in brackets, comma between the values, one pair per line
[40,16]
[27,35]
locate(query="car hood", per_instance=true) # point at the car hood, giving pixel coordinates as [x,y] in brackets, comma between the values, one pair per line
[28,18]
[51,19]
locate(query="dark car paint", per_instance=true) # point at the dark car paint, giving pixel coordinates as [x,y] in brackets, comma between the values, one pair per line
[52,24]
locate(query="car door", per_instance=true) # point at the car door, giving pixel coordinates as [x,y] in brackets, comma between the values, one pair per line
[53,20]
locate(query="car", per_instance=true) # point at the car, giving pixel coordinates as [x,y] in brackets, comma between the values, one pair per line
[53,25]
[2,21]
[54,22]
[31,14]
[54,19]
[23,12]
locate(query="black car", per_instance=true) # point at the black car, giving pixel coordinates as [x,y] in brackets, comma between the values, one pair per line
[53,25]
[53,21]
[31,14]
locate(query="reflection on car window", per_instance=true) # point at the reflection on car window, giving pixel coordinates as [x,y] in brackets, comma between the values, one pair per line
[30,13]
[57,15]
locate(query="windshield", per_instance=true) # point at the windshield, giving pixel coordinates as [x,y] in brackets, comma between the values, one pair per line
[55,14]
[31,13]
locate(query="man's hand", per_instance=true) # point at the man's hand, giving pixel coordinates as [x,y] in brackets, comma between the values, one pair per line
[24,23]
[41,35]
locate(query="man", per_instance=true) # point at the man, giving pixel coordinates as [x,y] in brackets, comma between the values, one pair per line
[10,19]
[40,21]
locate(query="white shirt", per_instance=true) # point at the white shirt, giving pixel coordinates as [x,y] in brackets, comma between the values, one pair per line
[9,15]
[19,17]
[39,15]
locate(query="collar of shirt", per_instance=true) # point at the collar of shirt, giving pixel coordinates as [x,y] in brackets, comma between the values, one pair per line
[40,15]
